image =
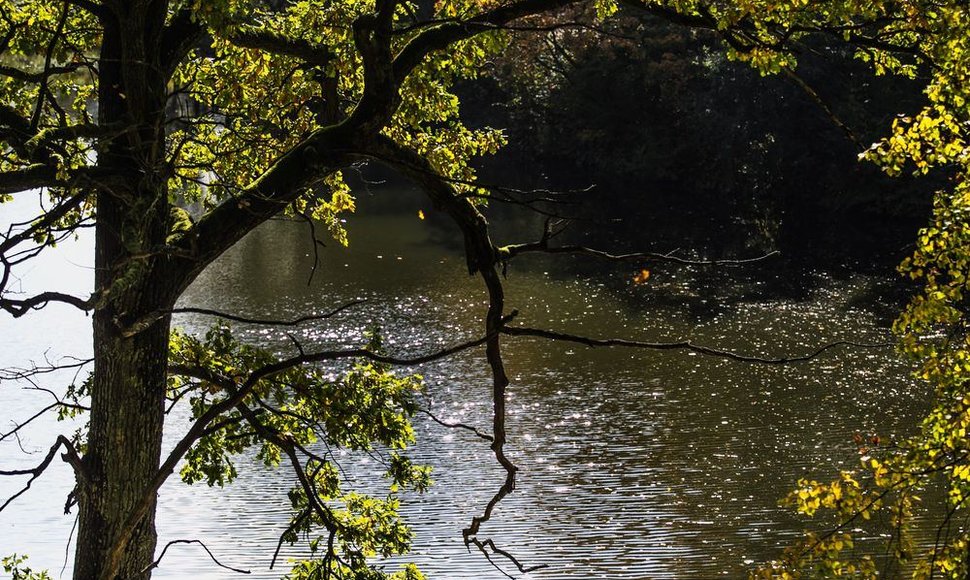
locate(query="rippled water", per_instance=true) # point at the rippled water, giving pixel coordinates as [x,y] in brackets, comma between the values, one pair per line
[634,464]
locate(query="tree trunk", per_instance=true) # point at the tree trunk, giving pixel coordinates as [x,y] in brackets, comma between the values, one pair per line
[124,444]
[127,388]
[128,385]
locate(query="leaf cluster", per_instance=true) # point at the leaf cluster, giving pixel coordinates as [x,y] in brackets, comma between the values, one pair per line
[304,415]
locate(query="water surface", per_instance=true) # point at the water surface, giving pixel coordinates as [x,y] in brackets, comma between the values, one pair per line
[633,464]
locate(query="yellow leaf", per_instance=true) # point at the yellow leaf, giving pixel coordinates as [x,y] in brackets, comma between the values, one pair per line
[420,214]
[641,277]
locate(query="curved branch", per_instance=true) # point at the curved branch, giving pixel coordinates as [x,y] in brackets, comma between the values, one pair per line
[20,307]
[182,33]
[267,41]
[158,560]
[443,35]
[481,256]
[321,153]
[474,430]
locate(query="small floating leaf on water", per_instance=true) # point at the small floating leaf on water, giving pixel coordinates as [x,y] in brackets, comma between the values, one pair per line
[420,214]
[641,277]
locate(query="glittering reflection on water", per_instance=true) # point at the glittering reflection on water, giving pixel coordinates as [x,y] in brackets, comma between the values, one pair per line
[634,464]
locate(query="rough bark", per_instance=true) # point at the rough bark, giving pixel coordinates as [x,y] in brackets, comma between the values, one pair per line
[124,443]
[128,384]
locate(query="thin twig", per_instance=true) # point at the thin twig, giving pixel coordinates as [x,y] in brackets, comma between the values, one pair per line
[540,247]
[484,436]
[70,456]
[266,321]
[684,345]
[156,563]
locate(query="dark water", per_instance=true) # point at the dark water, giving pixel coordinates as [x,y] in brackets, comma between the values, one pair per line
[634,464]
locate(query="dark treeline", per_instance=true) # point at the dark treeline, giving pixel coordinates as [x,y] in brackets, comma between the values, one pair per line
[687,149]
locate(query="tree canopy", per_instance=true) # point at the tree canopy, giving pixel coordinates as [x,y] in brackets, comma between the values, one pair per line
[127,112]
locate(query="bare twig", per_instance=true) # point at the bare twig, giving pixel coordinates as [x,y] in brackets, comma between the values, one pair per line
[481,435]
[317,244]
[146,321]
[541,246]
[812,94]
[70,456]
[156,563]
[266,321]
[304,514]
[684,345]
[18,426]
[20,374]
[490,544]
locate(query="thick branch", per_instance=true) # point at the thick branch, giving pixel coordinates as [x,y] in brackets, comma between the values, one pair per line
[443,35]
[480,254]
[268,41]
[20,307]
[30,177]
[41,76]
[321,153]
[181,34]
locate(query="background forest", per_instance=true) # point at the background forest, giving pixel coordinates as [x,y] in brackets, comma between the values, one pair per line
[707,153]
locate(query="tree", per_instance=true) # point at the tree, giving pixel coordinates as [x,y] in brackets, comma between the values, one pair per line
[884,495]
[123,111]
[120,109]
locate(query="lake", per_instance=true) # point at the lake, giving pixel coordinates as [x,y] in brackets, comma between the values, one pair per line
[633,464]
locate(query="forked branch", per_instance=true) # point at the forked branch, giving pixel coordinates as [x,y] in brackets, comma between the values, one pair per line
[70,456]
[18,308]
